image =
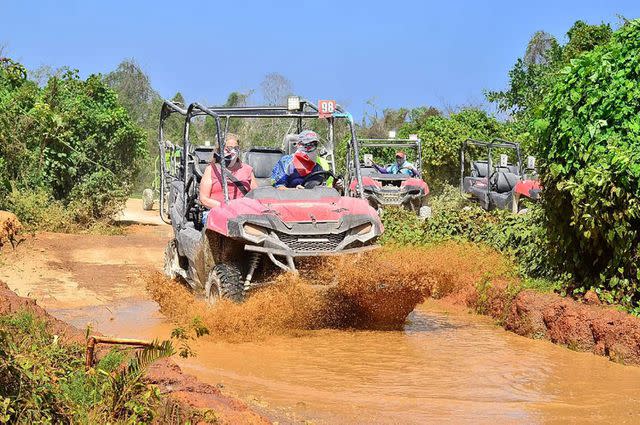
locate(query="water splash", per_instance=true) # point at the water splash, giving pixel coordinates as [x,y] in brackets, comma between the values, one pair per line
[375,290]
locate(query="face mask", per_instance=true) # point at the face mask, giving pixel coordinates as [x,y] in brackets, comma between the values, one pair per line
[399,161]
[230,156]
[311,150]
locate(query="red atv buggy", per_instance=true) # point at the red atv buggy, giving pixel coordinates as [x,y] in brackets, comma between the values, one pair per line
[220,258]
[383,189]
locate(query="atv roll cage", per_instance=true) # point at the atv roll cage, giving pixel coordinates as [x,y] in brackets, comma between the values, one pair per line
[414,144]
[169,157]
[305,111]
[490,147]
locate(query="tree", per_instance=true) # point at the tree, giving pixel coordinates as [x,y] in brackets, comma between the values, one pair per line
[584,37]
[134,90]
[542,49]
[70,140]
[275,88]
[532,76]
[237,99]
[178,98]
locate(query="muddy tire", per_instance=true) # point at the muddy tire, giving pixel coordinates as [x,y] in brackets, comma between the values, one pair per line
[224,281]
[171,260]
[147,199]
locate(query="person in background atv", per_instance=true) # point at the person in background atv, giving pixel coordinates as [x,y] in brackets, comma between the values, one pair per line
[401,166]
[240,179]
[290,170]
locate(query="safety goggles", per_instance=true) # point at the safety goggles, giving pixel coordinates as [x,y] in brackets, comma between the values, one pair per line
[308,147]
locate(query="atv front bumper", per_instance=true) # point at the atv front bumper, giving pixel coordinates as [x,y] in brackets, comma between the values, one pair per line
[411,199]
[351,234]
[290,255]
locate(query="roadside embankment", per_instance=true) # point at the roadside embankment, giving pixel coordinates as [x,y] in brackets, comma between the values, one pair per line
[186,398]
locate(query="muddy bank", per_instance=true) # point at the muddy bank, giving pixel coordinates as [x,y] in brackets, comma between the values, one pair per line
[578,326]
[581,326]
[186,397]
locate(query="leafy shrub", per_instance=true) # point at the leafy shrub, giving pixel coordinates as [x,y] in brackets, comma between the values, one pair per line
[44,381]
[590,150]
[37,210]
[69,142]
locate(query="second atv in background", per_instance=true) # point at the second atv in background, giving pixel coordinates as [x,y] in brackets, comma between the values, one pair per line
[396,184]
[499,184]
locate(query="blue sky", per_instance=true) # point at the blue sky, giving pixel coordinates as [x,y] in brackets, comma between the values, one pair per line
[399,53]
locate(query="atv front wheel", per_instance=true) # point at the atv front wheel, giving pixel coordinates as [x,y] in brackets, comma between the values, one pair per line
[224,281]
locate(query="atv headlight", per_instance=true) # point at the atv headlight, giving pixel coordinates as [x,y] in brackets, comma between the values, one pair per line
[254,232]
[362,229]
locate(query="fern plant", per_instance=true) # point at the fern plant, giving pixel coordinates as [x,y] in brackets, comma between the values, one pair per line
[127,384]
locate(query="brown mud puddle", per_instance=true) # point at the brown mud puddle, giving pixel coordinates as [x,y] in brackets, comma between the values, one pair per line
[443,365]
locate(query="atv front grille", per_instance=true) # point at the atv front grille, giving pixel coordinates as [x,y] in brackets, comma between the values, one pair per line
[312,243]
[390,198]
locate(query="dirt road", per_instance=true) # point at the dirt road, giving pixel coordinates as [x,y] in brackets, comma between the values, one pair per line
[444,366]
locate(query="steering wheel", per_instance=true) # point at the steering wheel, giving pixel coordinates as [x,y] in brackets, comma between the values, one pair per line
[414,171]
[309,183]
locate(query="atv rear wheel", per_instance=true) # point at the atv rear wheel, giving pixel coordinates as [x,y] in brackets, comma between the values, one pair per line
[171,260]
[224,281]
[147,199]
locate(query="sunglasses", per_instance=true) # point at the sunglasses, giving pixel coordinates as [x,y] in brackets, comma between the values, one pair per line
[311,146]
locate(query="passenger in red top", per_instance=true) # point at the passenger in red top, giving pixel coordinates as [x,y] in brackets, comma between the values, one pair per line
[211,194]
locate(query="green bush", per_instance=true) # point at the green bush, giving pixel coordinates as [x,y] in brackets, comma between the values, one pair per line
[43,380]
[70,142]
[37,210]
[590,166]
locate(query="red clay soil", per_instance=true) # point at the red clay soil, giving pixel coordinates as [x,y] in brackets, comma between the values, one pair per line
[10,302]
[185,392]
[580,326]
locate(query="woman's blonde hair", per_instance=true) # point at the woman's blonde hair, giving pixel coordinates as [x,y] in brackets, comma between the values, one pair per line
[232,136]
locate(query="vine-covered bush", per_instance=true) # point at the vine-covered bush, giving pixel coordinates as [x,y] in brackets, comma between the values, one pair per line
[590,151]
[71,141]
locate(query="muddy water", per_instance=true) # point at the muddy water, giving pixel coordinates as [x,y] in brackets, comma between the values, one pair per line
[444,366]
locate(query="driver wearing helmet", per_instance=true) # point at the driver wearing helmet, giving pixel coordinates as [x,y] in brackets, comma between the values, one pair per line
[291,171]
